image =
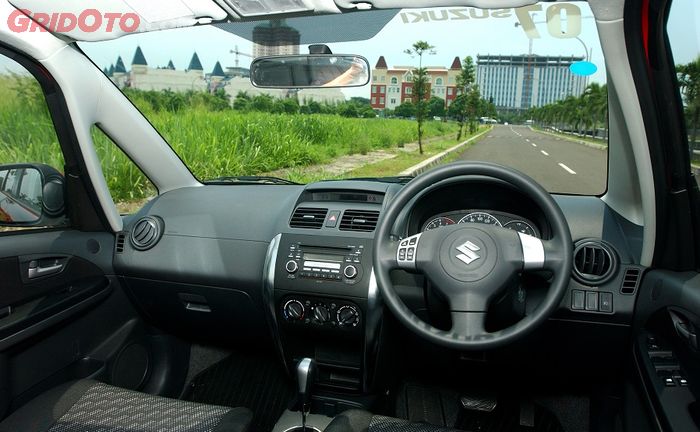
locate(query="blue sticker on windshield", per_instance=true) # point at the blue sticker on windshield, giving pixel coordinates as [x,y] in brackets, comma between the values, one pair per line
[583,68]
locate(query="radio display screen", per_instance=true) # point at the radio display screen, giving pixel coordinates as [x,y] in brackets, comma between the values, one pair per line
[322,257]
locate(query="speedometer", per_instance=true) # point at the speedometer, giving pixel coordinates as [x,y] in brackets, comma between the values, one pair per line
[438,222]
[522,227]
[480,218]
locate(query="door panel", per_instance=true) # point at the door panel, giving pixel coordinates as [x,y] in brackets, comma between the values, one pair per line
[666,347]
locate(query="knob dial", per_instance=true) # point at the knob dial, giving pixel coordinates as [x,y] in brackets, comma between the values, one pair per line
[294,310]
[321,314]
[291,266]
[348,316]
[350,272]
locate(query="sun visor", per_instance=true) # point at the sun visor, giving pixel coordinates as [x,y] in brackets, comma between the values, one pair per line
[394,4]
[99,20]
[346,27]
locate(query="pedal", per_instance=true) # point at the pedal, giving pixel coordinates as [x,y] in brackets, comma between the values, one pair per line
[481,403]
[527,414]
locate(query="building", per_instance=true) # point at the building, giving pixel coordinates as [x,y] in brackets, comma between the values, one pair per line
[275,38]
[232,80]
[393,86]
[516,82]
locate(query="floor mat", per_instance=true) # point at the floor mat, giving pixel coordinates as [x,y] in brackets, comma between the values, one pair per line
[255,382]
[423,403]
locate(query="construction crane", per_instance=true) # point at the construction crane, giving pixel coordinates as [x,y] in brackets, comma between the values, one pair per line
[237,53]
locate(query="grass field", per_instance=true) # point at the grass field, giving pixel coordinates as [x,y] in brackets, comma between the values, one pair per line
[212,143]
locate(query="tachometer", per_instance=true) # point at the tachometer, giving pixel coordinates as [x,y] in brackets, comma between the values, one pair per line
[438,222]
[480,218]
[521,226]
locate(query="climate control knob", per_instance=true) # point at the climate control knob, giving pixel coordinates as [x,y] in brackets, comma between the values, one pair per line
[294,310]
[291,267]
[350,272]
[348,316]
[321,314]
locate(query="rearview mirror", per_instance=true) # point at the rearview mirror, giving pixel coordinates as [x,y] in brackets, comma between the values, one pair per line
[30,195]
[310,71]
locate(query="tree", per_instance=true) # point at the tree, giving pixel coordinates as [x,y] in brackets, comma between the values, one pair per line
[689,82]
[420,85]
[436,107]
[242,101]
[405,110]
[262,102]
[465,84]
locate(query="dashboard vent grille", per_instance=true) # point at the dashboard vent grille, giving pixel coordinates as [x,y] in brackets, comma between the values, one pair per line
[308,217]
[119,244]
[630,281]
[146,233]
[594,262]
[359,220]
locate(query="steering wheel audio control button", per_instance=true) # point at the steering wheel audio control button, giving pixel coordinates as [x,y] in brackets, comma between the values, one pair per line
[407,251]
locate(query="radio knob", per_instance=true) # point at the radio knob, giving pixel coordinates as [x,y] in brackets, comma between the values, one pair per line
[291,266]
[294,310]
[350,272]
[321,314]
[348,316]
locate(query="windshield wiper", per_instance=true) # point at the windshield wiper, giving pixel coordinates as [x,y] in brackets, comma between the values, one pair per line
[394,179]
[250,180]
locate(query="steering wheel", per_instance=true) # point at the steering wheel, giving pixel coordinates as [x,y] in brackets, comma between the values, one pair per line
[471,264]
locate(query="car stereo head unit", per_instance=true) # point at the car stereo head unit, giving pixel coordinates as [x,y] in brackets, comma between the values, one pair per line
[342,264]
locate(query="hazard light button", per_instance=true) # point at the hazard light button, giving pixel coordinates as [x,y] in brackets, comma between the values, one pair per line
[332,219]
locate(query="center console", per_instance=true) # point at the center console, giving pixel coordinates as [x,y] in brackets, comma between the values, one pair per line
[322,302]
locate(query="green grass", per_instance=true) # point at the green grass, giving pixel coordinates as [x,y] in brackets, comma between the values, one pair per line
[212,143]
[392,167]
[600,142]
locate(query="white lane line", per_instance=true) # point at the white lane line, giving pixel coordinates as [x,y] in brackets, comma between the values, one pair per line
[567,169]
[534,145]
[544,153]
[527,140]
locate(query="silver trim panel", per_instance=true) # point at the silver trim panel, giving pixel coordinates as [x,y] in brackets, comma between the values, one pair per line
[533,252]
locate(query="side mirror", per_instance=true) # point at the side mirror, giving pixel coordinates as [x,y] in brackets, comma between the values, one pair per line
[310,71]
[31,195]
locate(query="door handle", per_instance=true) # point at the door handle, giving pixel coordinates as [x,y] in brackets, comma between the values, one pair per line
[37,270]
[684,329]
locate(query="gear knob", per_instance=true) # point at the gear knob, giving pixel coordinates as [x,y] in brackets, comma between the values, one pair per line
[305,378]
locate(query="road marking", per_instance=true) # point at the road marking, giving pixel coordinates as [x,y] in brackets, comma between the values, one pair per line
[569,170]
[534,145]
[544,153]
[527,140]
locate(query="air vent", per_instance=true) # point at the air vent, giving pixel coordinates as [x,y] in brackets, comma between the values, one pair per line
[595,262]
[631,281]
[308,217]
[359,220]
[119,244]
[146,233]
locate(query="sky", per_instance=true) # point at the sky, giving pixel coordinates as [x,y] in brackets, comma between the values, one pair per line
[499,33]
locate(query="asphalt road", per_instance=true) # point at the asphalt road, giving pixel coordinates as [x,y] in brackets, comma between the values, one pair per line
[558,164]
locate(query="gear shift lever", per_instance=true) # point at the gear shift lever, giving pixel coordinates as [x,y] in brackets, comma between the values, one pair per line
[305,378]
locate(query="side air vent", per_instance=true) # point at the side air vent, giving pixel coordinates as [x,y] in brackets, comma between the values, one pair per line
[630,281]
[119,244]
[359,220]
[595,262]
[146,233]
[308,217]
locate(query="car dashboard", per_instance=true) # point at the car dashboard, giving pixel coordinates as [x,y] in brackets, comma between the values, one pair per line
[293,263]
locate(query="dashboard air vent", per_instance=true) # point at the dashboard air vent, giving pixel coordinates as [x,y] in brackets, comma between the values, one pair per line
[595,262]
[631,281]
[359,220]
[308,217]
[119,243]
[146,233]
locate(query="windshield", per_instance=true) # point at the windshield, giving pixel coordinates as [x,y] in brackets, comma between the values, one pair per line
[521,87]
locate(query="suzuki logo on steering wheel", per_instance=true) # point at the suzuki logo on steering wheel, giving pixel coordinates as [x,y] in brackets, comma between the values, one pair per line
[468,254]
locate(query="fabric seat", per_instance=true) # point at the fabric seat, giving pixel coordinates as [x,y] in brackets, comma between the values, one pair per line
[363,421]
[91,406]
